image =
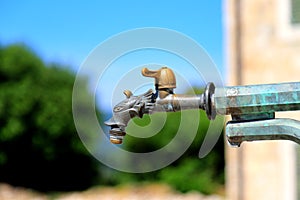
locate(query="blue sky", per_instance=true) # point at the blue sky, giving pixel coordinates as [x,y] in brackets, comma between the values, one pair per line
[67,31]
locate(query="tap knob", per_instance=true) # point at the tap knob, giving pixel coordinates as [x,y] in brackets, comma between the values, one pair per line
[165,80]
[164,77]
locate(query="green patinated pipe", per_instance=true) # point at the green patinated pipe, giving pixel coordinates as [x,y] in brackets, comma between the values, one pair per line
[271,129]
[257,99]
[253,107]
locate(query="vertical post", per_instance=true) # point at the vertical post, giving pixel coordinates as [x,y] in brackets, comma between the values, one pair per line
[239,78]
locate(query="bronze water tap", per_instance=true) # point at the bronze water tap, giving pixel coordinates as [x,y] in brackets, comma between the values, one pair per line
[252,107]
[163,100]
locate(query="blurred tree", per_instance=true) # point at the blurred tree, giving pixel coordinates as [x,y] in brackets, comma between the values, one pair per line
[39,146]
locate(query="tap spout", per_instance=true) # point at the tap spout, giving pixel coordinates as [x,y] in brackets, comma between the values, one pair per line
[137,106]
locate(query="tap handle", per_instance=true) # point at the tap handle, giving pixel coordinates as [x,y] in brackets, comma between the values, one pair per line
[150,73]
[164,77]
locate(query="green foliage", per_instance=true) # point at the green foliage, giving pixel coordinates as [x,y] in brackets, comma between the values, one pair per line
[191,174]
[39,147]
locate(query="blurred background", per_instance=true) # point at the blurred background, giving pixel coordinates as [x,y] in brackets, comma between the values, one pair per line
[42,45]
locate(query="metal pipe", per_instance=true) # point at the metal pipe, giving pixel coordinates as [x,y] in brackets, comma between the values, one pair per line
[264,98]
[271,129]
[175,102]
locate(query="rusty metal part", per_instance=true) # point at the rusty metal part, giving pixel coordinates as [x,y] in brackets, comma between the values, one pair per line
[253,107]
[266,98]
[271,129]
[253,110]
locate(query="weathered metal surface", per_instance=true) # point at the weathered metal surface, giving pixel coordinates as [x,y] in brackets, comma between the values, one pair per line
[137,106]
[252,117]
[174,103]
[131,107]
[253,108]
[272,129]
[249,99]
